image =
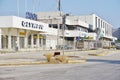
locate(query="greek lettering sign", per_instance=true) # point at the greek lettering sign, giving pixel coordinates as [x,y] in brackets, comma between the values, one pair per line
[31,25]
[31,16]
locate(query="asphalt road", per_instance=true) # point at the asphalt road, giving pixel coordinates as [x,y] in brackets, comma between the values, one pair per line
[96,68]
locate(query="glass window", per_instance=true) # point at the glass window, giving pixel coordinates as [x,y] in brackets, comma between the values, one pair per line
[55,26]
[96,21]
[4,41]
[50,25]
[101,24]
[29,40]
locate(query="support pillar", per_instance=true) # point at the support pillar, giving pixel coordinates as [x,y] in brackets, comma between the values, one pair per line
[26,40]
[9,39]
[38,41]
[18,39]
[43,45]
[32,44]
[0,41]
[74,42]
[42,42]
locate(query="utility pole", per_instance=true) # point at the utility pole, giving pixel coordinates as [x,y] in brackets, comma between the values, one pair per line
[63,30]
[59,5]
[59,10]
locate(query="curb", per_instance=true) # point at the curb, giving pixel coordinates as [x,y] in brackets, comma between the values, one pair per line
[99,54]
[38,63]
[76,61]
[23,63]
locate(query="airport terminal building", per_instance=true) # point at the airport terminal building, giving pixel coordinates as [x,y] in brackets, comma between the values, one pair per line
[46,33]
[90,28]
[24,34]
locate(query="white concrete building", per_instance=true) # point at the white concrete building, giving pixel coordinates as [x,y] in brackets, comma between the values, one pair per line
[74,27]
[105,29]
[25,34]
[47,33]
[83,26]
[95,22]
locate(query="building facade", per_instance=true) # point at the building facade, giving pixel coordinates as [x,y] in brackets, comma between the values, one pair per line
[101,27]
[24,34]
[74,31]
[95,22]
[48,32]
[81,26]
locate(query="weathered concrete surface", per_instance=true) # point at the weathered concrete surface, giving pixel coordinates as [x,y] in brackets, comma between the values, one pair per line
[96,68]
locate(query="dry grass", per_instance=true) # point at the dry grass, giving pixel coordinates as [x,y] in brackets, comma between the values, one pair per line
[62,59]
[57,59]
[48,56]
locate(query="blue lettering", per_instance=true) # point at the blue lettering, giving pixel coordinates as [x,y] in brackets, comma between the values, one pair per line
[31,25]
[27,24]
[23,23]
[31,16]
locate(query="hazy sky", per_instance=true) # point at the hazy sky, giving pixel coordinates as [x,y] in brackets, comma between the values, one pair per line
[106,9]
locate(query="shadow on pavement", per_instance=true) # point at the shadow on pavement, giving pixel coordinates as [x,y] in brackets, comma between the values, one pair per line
[106,61]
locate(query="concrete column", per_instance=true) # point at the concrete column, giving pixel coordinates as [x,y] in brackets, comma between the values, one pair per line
[18,39]
[18,43]
[43,46]
[74,42]
[32,45]
[38,41]
[42,42]
[0,41]
[26,40]
[9,39]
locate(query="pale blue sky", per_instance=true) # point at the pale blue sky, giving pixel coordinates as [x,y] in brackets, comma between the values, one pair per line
[107,9]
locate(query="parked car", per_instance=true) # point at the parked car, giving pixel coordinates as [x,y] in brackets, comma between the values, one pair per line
[117,45]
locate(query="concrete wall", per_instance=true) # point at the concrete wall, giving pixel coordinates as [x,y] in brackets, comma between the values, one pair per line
[6,21]
[88,19]
[16,22]
[51,42]
[7,31]
[47,15]
[105,27]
